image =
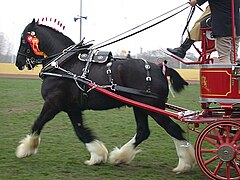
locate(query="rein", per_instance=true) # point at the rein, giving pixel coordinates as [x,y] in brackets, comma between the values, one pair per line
[188,21]
[97,46]
[34,41]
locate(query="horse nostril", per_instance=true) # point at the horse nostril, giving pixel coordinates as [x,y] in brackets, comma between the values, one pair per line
[21,68]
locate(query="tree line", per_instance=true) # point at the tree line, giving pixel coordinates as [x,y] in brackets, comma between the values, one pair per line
[6,49]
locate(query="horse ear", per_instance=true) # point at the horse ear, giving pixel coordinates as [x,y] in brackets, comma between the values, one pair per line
[33,21]
[32,24]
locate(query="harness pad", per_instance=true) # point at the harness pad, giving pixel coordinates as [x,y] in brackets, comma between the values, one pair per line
[98,57]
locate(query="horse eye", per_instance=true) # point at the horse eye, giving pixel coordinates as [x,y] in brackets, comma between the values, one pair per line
[28,51]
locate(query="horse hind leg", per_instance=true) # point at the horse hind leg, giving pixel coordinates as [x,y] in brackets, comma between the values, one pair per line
[185,150]
[127,152]
[29,145]
[96,148]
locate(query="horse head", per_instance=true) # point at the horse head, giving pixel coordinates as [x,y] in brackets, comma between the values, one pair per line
[38,42]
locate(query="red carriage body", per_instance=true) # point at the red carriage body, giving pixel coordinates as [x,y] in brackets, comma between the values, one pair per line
[219,83]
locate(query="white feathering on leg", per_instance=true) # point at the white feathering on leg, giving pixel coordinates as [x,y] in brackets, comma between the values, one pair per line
[28,146]
[186,156]
[98,152]
[125,154]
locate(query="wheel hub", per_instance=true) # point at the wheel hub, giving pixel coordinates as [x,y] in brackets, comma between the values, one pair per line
[226,153]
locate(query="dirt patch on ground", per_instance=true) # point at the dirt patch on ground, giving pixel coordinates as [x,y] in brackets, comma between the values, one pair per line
[18,76]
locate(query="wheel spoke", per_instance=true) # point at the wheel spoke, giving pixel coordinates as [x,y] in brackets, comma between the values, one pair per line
[220,137]
[238,146]
[228,173]
[218,167]
[227,129]
[211,136]
[237,155]
[211,142]
[236,137]
[210,160]
[236,167]
[209,151]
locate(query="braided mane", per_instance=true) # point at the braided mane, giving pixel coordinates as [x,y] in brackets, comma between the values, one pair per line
[56,26]
[52,23]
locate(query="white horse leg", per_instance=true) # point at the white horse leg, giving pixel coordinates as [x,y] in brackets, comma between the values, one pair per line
[98,152]
[125,154]
[28,146]
[186,156]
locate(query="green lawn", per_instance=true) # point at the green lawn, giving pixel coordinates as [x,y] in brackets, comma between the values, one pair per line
[62,156]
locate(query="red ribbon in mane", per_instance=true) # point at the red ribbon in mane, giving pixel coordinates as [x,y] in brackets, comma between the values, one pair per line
[34,41]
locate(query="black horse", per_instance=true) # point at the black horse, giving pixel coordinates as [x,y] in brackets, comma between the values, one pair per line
[62,93]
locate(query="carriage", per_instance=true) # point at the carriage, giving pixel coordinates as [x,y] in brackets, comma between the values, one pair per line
[217,147]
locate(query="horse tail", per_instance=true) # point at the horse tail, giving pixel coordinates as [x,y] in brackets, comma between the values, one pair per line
[176,80]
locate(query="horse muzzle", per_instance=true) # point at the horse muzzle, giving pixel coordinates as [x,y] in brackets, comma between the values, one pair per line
[21,67]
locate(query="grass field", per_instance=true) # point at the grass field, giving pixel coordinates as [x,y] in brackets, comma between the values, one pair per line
[62,156]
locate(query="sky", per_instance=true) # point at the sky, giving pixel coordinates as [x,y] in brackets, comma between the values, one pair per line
[105,19]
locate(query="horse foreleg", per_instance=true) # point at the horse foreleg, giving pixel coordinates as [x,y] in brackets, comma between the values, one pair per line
[98,152]
[96,148]
[127,152]
[29,145]
[184,149]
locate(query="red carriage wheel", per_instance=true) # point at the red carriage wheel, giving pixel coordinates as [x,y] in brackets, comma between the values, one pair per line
[217,150]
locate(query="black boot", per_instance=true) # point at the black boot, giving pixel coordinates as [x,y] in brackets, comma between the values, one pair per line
[181,51]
